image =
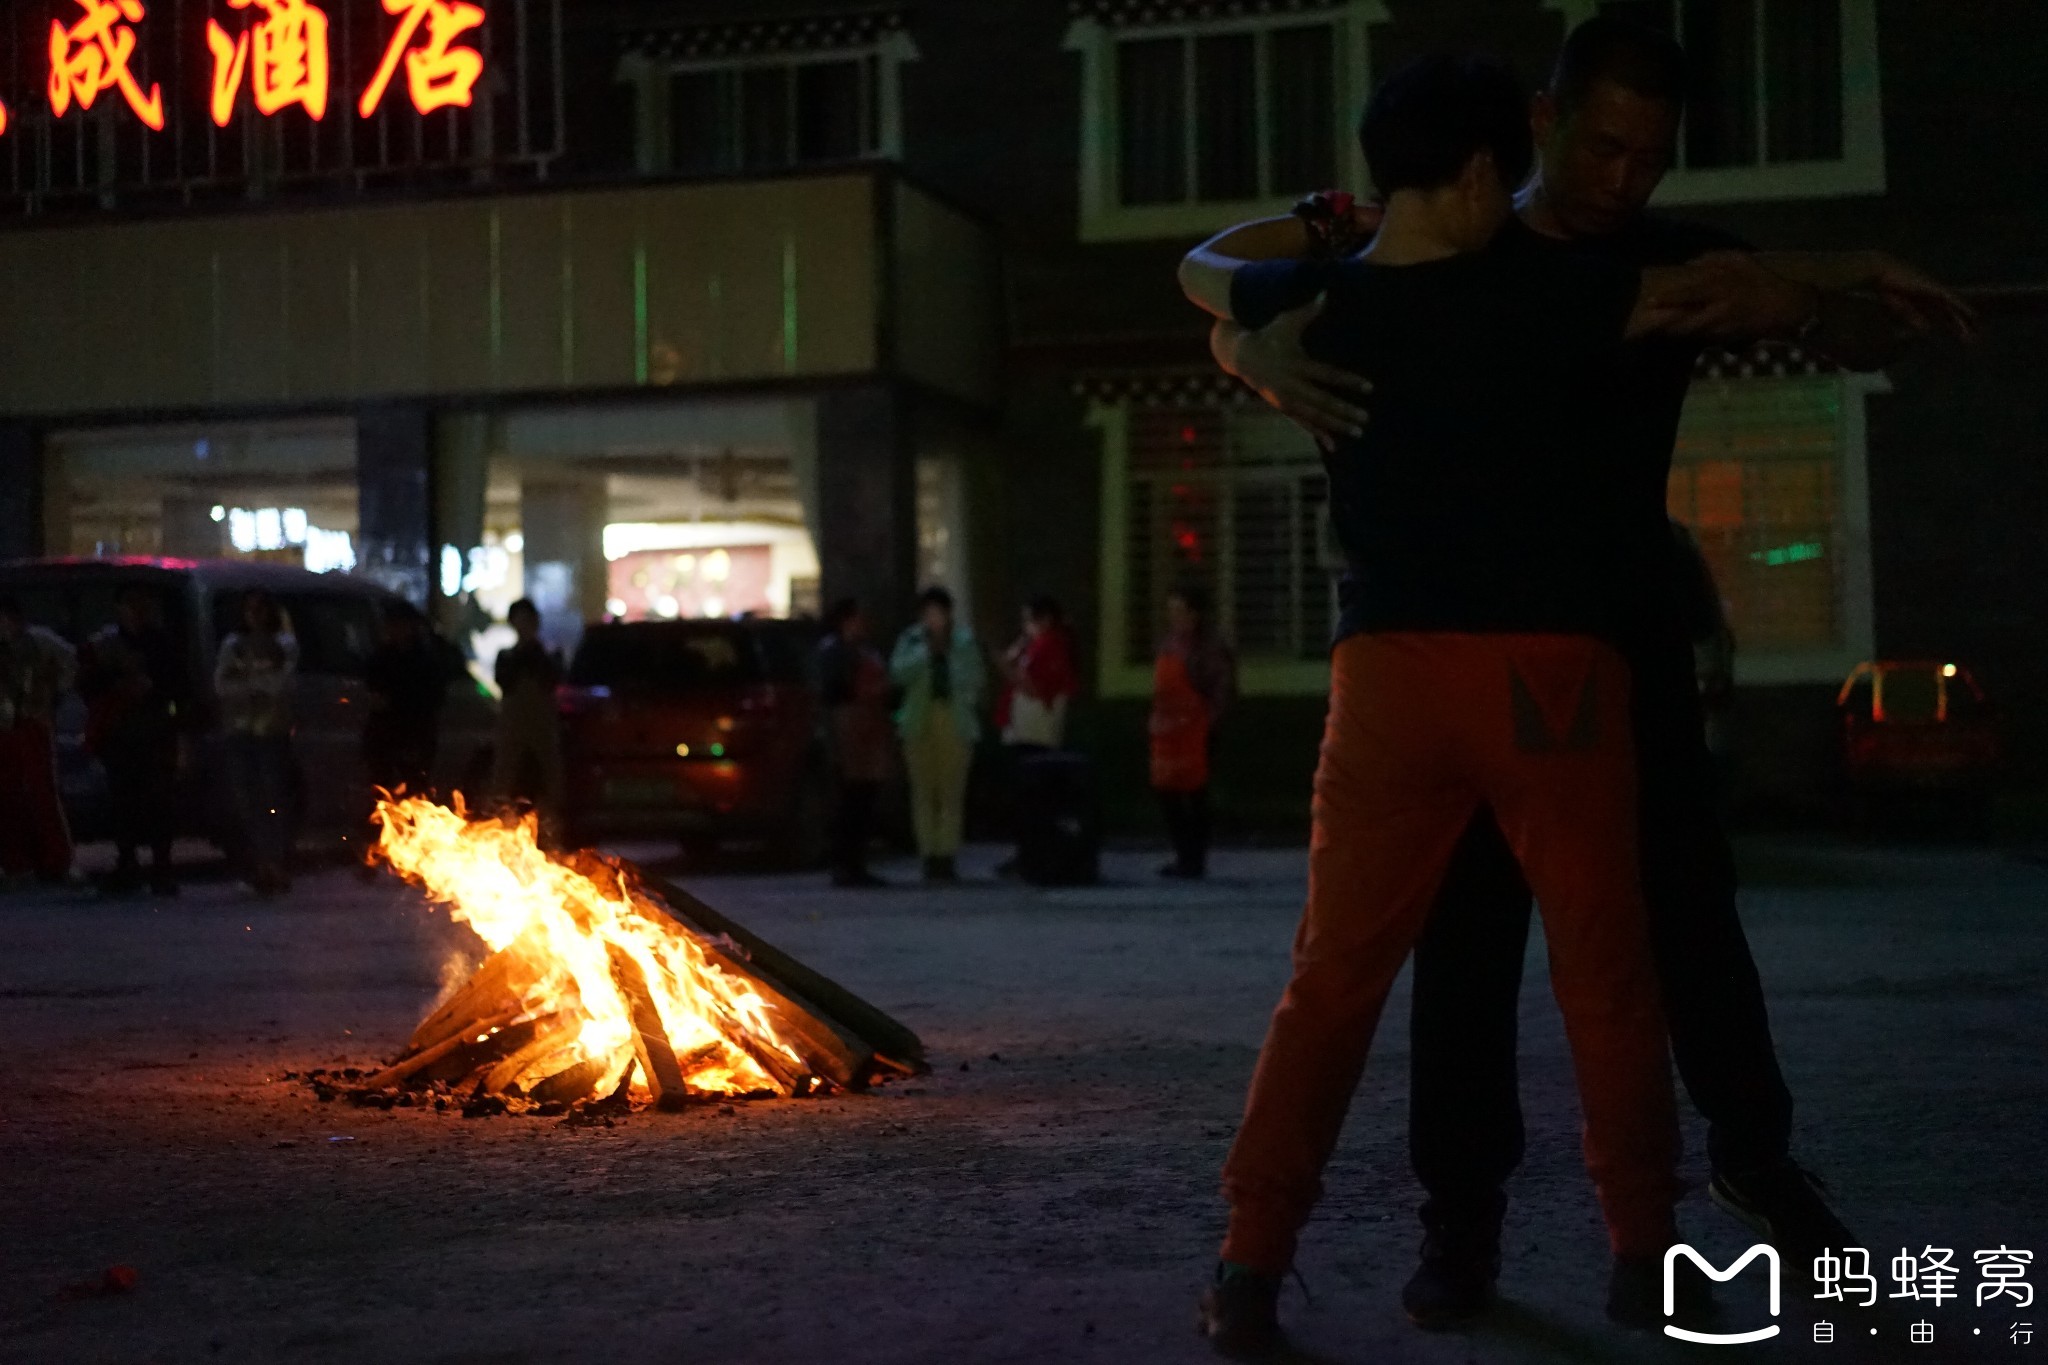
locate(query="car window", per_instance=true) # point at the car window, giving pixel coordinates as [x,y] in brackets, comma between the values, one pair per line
[335,631]
[1911,694]
[666,659]
[79,610]
[788,652]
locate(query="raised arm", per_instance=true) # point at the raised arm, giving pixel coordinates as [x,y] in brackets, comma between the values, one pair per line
[1205,272]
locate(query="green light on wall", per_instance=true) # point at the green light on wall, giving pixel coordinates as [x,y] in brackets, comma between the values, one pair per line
[1798,553]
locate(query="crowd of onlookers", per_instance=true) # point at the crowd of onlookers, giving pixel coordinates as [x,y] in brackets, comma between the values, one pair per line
[922,709]
[928,698]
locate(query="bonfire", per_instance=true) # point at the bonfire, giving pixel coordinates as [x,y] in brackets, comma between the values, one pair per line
[600,982]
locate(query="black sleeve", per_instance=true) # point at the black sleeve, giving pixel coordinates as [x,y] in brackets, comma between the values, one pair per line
[1263,290]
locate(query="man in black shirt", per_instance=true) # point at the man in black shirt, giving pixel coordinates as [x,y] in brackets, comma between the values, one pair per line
[1478,662]
[1605,132]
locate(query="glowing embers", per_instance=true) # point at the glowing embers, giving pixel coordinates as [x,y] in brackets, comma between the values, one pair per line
[594,987]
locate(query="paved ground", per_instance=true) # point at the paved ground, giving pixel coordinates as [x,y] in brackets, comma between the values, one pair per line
[1047,1195]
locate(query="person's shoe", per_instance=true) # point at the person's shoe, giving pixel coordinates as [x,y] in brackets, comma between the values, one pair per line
[1635,1294]
[1454,1284]
[1240,1315]
[941,871]
[1786,1205]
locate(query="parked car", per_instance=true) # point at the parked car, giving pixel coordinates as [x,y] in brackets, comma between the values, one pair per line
[698,730]
[1914,730]
[337,621]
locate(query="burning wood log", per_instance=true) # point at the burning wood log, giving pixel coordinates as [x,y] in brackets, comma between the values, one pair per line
[651,1047]
[610,974]
[889,1040]
[420,1061]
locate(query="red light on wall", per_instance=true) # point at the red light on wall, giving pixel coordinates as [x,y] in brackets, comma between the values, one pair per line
[3,118]
[1187,436]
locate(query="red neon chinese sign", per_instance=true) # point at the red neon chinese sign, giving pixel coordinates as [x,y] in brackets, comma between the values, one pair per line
[438,75]
[284,52]
[281,54]
[91,57]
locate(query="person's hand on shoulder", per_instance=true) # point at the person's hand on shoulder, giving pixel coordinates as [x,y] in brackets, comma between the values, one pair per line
[1323,400]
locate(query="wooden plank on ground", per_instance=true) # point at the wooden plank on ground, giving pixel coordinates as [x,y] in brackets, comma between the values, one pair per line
[890,1040]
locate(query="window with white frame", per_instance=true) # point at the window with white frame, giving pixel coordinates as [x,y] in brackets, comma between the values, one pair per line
[1185,124]
[770,115]
[1784,97]
[1230,500]
[720,111]
[1769,475]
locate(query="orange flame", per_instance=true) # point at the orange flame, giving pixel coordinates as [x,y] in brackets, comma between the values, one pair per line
[496,879]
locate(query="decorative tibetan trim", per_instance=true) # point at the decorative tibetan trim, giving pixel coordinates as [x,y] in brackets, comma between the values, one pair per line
[1131,13]
[814,33]
[1181,387]
[1170,388]
[1765,360]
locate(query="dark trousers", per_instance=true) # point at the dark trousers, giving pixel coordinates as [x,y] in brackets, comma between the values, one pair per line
[1187,825]
[1465,1126]
[142,799]
[852,820]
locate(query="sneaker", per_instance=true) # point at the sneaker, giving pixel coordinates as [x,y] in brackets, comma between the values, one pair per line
[1240,1315]
[1454,1284]
[1635,1295]
[1786,1205]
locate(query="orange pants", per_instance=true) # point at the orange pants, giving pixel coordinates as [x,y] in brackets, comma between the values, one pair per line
[1422,729]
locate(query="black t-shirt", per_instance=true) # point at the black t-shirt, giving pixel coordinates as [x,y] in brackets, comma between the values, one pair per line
[1648,398]
[1471,501]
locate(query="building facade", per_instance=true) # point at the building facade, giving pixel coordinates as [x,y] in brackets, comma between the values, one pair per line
[709,306]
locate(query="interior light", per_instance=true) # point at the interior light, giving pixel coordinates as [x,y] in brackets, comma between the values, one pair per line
[682,751]
[718,751]
[515,543]
[219,513]
[295,526]
[1948,670]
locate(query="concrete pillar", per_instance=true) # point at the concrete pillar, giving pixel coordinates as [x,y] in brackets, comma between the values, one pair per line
[394,503]
[867,495]
[562,523]
[463,442]
[21,491]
